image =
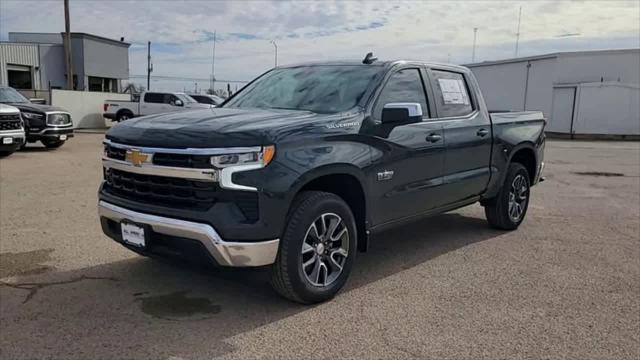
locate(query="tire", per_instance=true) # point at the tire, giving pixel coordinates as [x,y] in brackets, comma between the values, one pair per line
[501,210]
[52,144]
[123,116]
[289,276]
[6,153]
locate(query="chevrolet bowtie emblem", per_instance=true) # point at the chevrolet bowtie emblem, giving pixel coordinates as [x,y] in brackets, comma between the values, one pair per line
[135,157]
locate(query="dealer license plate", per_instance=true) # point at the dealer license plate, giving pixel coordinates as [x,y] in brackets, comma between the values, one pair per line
[63,137]
[7,141]
[132,234]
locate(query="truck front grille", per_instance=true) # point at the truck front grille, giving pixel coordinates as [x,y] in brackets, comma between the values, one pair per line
[176,192]
[115,153]
[10,125]
[164,159]
[182,160]
[10,122]
[162,190]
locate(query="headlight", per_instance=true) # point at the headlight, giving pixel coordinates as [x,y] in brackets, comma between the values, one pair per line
[261,158]
[32,116]
[58,119]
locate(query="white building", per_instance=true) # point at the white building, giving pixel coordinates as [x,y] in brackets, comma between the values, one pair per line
[581,93]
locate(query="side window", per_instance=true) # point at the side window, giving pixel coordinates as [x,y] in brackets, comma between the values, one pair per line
[154,98]
[403,86]
[452,94]
[170,99]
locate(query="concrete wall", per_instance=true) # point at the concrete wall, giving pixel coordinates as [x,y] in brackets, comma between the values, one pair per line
[86,107]
[622,66]
[104,59]
[47,38]
[19,54]
[502,85]
[77,57]
[607,107]
[53,68]
[620,116]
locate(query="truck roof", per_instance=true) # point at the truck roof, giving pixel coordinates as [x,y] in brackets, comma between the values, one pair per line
[386,63]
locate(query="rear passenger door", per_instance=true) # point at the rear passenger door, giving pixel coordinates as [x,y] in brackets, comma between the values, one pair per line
[467,134]
[154,103]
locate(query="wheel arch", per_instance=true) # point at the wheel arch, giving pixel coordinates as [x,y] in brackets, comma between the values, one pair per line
[525,154]
[345,181]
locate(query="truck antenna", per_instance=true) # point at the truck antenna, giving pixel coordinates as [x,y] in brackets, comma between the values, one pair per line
[369,59]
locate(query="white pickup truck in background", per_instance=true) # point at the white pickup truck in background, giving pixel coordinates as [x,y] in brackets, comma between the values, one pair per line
[149,103]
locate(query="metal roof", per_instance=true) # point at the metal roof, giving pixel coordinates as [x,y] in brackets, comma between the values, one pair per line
[550,56]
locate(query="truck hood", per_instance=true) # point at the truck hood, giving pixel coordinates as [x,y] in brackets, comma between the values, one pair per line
[222,127]
[38,108]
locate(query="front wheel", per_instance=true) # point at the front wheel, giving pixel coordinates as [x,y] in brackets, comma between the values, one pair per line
[507,210]
[52,144]
[317,249]
[6,153]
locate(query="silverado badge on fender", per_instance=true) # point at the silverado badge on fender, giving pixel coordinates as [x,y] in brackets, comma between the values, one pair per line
[135,157]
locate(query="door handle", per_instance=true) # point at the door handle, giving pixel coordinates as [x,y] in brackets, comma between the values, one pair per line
[433,138]
[482,132]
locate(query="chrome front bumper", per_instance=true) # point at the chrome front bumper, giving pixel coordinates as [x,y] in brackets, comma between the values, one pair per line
[237,254]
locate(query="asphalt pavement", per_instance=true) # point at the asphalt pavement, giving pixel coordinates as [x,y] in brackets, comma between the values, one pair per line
[565,285]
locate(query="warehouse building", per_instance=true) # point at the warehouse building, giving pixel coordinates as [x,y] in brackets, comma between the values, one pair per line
[588,93]
[36,61]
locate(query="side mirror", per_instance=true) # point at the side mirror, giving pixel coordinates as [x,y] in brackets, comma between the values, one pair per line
[401,112]
[178,103]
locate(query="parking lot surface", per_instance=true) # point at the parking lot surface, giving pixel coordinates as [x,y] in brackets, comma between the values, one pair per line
[566,284]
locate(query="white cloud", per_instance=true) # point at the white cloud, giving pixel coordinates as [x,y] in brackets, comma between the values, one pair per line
[322,30]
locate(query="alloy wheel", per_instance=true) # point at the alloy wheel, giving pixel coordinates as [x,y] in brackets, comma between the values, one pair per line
[325,250]
[518,195]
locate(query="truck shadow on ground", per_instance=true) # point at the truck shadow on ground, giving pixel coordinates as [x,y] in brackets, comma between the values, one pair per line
[98,306]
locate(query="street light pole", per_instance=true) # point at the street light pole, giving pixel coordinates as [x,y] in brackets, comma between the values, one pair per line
[275,46]
[518,31]
[473,53]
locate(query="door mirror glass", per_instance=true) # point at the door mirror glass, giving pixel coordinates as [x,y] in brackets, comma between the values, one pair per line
[178,103]
[401,112]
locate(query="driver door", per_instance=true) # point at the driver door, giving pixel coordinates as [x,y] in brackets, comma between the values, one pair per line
[408,157]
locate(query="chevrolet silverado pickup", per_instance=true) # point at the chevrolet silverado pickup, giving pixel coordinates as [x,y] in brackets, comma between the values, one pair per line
[149,103]
[11,130]
[50,125]
[297,170]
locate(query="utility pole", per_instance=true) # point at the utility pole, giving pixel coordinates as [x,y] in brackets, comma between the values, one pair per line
[276,48]
[67,46]
[149,66]
[518,32]
[213,64]
[475,36]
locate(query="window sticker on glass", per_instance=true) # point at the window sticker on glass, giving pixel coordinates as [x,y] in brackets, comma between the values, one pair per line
[453,91]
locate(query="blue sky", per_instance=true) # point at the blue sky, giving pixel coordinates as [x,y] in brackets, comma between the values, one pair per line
[182,31]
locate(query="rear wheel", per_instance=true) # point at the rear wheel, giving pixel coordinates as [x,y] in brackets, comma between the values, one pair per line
[507,210]
[52,144]
[317,250]
[123,115]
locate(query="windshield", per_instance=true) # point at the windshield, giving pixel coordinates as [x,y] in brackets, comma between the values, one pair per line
[9,95]
[186,98]
[321,89]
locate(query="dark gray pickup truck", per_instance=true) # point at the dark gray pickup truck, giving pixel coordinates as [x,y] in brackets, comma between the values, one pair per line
[300,167]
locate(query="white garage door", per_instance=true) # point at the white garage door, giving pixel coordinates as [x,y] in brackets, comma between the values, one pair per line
[562,113]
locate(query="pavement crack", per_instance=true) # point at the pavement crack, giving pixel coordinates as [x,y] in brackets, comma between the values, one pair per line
[33,288]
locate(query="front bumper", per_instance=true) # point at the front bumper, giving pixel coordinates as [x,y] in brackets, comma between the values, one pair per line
[17,139]
[225,253]
[52,133]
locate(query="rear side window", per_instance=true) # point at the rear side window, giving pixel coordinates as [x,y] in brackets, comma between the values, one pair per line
[404,86]
[452,94]
[154,98]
